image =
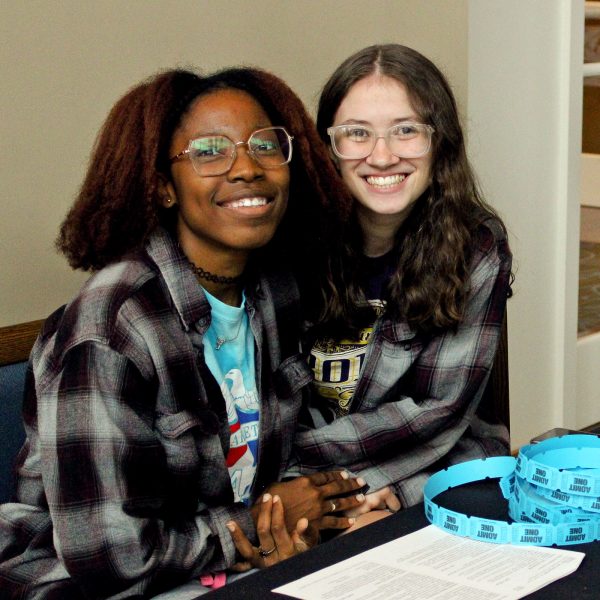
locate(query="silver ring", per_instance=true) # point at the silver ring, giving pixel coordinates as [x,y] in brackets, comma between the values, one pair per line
[333,507]
[265,553]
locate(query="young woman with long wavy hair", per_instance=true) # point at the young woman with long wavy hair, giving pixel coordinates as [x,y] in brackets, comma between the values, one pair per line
[416,293]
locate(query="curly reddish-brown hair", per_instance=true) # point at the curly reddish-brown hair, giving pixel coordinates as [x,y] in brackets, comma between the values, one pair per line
[119,203]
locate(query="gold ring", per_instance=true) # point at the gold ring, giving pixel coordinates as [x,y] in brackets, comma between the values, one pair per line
[264,553]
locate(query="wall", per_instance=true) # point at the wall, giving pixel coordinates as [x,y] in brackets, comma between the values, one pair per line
[65,63]
[525,98]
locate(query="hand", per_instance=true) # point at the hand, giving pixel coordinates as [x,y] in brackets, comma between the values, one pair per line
[275,543]
[383,499]
[313,497]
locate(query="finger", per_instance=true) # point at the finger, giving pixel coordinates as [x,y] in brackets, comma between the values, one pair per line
[241,567]
[263,529]
[323,477]
[300,543]
[242,543]
[279,532]
[342,486]
[392,503]
[356,511]
[335,522]
[334,505]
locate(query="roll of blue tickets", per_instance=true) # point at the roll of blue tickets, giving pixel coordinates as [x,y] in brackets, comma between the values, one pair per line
[552,488]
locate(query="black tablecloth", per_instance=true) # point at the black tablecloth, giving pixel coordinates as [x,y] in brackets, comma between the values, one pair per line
[482,499]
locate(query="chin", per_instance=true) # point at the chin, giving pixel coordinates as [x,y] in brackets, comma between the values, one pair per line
[253,242]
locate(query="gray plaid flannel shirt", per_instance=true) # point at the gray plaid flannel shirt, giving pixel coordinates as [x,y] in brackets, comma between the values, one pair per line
[414,410]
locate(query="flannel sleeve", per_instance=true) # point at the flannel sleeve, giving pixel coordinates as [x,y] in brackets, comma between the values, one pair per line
[107,478]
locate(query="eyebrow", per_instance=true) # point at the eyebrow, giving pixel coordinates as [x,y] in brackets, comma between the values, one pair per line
[215,133]
[412,119]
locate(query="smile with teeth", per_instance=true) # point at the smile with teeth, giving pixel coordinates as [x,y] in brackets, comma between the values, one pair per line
[247,202]
[387,181]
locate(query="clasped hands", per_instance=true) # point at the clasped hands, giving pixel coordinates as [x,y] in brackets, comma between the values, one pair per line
[289,515]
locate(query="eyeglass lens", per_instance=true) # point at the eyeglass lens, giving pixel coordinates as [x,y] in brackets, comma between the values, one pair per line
[214,155]
[407,140]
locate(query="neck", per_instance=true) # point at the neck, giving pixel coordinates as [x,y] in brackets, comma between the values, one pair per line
[377,241]
[220,272]
[378,231]
[228,293]
[374,247]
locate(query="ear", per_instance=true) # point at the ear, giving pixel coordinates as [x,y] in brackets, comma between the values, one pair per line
[166,190]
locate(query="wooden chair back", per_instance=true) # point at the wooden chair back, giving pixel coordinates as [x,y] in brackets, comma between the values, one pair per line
[15,345]
[495,401]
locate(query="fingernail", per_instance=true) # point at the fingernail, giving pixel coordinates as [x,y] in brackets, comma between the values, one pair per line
[351,520]
[230,526]
[345,475]
[266,497]
[361,481]
[360,497]
[275,499]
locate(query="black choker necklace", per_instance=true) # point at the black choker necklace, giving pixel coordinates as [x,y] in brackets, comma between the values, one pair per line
[200,272]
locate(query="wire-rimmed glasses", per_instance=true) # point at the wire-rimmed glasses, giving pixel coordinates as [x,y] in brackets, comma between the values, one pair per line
[213,155]
[405,140]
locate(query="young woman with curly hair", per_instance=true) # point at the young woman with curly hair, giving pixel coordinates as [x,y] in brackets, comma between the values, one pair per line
[162,400]
[416,294]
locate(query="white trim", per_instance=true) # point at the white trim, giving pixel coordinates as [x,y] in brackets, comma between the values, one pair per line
[588,380]
[591,69]
[535,80]
[590,180]
[592,10]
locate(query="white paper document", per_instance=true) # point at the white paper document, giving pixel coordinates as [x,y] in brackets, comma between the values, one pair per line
[432,564]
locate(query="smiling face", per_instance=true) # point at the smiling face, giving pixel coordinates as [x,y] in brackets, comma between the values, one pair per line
[221,219]
[385,186]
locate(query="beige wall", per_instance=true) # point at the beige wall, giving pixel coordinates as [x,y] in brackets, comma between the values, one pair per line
[65,63]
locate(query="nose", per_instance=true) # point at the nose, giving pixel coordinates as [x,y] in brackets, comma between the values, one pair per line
[244,167]
[381,156]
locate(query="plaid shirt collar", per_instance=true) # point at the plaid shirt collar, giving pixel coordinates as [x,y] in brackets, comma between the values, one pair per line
[179,278]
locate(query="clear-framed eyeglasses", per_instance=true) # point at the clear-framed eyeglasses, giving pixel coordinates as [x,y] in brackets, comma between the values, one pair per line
[212,155]
[405,140]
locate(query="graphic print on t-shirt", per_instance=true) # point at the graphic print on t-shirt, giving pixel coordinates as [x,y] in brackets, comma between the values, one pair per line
[336,366]
[242,414]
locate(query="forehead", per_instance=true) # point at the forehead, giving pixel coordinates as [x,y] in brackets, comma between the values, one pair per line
[376,99]
[230,112]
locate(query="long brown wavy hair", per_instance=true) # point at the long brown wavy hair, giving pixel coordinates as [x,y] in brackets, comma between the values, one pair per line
[119,203]
[433,246]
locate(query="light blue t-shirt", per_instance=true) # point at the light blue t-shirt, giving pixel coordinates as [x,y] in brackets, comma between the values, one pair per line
[232,365]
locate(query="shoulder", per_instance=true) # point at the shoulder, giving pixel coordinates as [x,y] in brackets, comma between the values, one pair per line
[490,238]
[108,307]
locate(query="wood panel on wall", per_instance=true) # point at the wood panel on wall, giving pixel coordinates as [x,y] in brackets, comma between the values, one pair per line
[16,341]
[591,90]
